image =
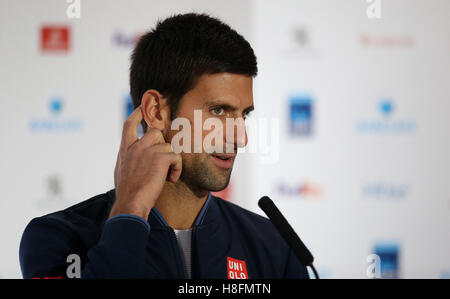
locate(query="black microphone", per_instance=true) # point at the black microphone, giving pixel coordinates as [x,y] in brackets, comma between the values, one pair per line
[287,232]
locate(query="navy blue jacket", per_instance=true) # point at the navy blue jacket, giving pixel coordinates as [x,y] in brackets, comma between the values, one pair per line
[130,247]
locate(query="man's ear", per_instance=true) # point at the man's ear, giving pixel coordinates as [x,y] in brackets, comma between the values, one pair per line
[155,110]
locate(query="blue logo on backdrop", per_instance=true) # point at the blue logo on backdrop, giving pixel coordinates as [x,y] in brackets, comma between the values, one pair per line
[301,115]
[55,106]
[389,257]
[56,122]
[129,108]
[301,190]
[386,123]
[445,274]
[386,107]
[385,190]
[125,40]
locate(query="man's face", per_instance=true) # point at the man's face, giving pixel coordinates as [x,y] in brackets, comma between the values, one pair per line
[219,96]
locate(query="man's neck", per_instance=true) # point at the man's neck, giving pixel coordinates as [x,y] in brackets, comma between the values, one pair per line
[179,205]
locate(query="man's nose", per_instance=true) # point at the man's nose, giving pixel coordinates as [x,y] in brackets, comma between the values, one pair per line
[236,134]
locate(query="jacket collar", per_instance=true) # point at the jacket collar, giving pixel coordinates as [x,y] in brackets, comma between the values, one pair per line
[156,218]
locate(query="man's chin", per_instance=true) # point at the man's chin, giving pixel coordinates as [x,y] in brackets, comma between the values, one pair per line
[218,189]
[220,179]
[206,175]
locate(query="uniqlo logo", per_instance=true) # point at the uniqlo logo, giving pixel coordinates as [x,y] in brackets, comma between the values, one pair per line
[236,269]
[55,39]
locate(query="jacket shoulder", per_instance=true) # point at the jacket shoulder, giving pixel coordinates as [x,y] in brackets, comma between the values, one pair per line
[252,223]
[72,230]
[242,212]
[83,220]
[262,238]
[93,211]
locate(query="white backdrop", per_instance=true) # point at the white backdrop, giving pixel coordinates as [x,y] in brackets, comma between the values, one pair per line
[361,103]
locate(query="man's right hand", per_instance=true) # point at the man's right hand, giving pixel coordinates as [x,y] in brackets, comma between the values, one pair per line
[142,168]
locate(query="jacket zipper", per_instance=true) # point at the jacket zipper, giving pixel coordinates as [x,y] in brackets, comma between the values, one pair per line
[193,254]
[180,264]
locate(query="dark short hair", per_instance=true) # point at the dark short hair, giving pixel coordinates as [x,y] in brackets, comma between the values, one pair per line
[171,57]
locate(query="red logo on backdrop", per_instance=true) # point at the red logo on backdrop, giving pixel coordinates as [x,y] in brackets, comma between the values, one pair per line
[55,39]
[236,269]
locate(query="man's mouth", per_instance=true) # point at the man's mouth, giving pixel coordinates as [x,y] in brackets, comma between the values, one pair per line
[224,160]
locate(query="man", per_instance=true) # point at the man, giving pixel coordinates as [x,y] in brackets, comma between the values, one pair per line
[161,220]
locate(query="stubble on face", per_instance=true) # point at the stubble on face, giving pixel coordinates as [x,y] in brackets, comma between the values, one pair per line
[200,172]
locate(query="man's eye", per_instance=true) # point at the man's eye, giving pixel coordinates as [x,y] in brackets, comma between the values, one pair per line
[217,111]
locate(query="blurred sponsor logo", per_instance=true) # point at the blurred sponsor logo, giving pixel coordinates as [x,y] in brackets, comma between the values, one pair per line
[300,44]
[389,257]
[445,274]
[124,40]
[385,190]
[301,115]
[56,122]
[304,190]
[54,197]
[385,41]
[301,38]
[55,39]
[386,122]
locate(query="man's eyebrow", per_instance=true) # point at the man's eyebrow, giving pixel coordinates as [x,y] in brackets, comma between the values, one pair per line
[227,106]
[221,104]
[249,109]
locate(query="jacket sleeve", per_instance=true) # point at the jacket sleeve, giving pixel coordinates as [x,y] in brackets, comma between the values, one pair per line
[47,242]
[294,268]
